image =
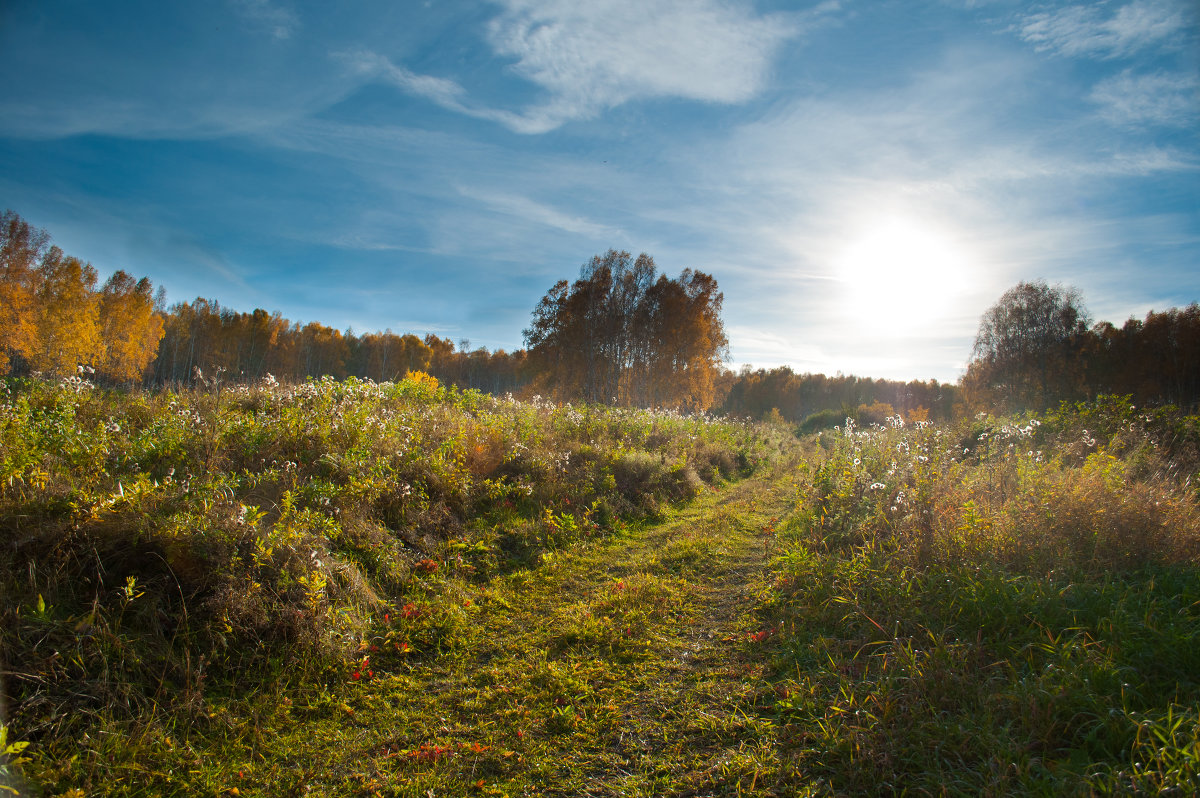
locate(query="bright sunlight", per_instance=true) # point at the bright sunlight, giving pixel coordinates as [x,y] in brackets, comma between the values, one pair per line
[900,274]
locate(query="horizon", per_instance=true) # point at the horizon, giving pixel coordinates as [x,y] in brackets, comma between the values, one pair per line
[862,182]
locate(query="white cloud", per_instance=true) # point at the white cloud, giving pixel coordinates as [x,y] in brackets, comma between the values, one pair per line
[606,52]
[1086,30]
[441,91]
[593,56]
[279,22]
[1160,99]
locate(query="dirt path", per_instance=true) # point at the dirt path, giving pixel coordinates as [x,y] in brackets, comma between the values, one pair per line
[627,668]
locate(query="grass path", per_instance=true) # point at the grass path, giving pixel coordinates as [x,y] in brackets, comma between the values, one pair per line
[623,668]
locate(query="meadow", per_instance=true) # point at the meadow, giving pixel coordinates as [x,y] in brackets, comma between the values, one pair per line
[162,546]
[994,607]
[359,588]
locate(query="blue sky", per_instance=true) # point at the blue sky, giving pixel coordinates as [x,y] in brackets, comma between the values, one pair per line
[864,179]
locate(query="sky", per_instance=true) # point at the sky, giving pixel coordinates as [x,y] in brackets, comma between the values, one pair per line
[863,179]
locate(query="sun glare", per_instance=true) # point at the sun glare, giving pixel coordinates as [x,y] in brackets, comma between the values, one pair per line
[900,275]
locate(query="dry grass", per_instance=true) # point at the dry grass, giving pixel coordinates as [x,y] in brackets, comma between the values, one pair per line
[158,543]
[1009,605]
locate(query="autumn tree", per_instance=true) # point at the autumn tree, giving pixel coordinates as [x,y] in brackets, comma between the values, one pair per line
[1027,350]
[1155,360]
[621,333]
[188,343]
[130,327]
[386,356]
[323,350]
[686,341]
[22,246]
[67,315]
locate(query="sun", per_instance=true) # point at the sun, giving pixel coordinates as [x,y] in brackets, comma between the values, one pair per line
[900,275]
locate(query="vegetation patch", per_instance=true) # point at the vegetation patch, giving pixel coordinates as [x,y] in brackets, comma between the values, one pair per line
[1006,605]
[167,548]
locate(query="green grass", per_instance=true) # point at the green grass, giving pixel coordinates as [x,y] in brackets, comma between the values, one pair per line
[449,594]
[177,555]
[620,666]
[1019,614]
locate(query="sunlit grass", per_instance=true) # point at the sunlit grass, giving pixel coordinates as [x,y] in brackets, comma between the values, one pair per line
[1003,606]
[359,589]
[171,548]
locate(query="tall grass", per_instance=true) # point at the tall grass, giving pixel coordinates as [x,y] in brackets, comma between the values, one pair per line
[1005,605]
[160,546]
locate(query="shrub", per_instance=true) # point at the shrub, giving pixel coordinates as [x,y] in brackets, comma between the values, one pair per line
[821,420]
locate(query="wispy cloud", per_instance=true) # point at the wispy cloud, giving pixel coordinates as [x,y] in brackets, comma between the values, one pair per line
[531,211]
[1090,30]
[442,92]
[590,57]
[279,22]
[1154,99]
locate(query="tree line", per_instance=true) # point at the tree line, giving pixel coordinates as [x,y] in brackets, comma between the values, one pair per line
[764,393]
[1037,347]
[203,338]
[619,334]
[55,318]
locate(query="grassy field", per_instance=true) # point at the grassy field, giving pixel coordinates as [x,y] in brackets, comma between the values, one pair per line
[398,589]
[1001,607]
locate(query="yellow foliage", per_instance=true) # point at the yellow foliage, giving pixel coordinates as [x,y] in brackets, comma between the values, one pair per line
[918,414]
[422,380]
[876,413]
[67,315]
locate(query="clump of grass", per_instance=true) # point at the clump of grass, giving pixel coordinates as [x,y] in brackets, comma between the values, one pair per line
[1008,605]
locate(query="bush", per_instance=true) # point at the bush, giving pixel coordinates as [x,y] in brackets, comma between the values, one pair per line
[822,420]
